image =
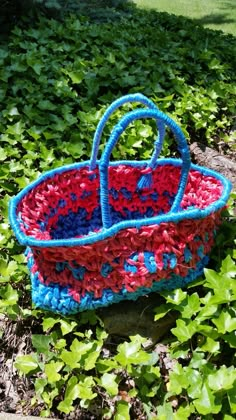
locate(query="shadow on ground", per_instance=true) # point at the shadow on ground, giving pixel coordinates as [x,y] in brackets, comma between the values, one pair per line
[216,19]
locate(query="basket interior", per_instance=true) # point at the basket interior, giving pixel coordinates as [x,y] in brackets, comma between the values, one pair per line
[67,205]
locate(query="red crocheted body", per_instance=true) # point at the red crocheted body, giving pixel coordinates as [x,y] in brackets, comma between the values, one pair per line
[185,243]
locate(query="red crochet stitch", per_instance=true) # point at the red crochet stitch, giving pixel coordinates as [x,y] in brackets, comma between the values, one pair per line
[159,239]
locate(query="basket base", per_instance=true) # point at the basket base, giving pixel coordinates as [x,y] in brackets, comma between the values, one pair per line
[58,299]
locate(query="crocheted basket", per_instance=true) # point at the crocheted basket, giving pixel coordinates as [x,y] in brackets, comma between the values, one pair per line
[98,232]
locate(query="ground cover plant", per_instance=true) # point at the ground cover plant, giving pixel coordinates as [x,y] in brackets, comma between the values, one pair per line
[56,79]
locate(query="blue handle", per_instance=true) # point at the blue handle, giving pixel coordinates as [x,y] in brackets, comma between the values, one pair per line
[137,97]
[116,133]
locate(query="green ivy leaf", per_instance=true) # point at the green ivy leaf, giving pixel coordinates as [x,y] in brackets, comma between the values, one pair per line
[225,323]
[45,413]
[228,267]
[210,346]
[151,374]
[206,403]
[7,270]
[232,400]
[81,347]
[72,391]
[27,363]
[34,132]
[184,330]
[75,149]
[208,310]
[15,129]
[3,155]
[47,105]
[39,385]
[71,359]
[122,411]
[231,339]
[104,365]
[165,411]
[66,326]
[75,76]
[184,412]
[131,353]
[85,388]
[9,296]
[41,342]
[66,406]
[175,297]
[49,322]
[35,64]
[177,380]
[192,306]
[51,370]
[223,379]
[90,359]
[60,344]
[108,381]
[195,381]
[198,360]
[222,295]
[162,310]
[213,279]
[207,330]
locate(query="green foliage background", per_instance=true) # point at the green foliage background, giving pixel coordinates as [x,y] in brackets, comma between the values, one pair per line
[56,79]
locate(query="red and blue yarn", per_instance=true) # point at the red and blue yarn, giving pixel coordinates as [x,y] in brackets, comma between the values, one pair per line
[52,211]
[149,242]
[113,265]
[59,298]
[134,258]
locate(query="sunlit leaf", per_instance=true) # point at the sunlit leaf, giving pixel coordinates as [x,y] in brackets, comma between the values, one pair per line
[27,363]
[108,381]
[52,369]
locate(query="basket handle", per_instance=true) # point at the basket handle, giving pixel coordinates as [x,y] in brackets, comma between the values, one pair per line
[114,137]
[136,97]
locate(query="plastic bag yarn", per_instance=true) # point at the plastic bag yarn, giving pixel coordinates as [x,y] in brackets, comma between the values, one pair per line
[99,232]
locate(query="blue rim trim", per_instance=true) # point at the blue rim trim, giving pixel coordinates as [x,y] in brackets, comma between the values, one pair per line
[106,233]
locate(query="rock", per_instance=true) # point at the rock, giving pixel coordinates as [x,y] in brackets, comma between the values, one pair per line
[210,158]
[130,318]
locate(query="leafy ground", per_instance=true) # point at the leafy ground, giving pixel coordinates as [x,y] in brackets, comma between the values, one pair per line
[214,14]
[56,79]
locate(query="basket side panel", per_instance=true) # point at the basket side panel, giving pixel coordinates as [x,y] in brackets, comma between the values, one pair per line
[132,263]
